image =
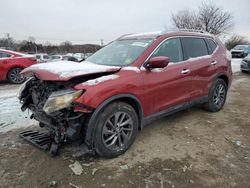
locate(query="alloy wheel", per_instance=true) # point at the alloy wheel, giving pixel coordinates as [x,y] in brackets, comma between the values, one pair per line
[117,131]
[16,77]
[219,95]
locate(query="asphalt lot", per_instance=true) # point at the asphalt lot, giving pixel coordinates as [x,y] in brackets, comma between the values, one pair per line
[192,148]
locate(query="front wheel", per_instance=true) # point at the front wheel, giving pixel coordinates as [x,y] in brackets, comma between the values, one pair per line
[217,96]
[15,77]
[116,129]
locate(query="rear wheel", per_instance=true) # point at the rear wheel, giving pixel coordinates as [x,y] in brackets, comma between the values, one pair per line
[116,129]
[15,77]
[217,96]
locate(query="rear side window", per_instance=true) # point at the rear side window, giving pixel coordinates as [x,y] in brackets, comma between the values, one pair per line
[172,49]
[194,47]
[4,55]
[211,45]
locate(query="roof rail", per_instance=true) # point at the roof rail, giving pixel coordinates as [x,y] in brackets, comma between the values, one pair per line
[194,30]
[186,30]
[159,33]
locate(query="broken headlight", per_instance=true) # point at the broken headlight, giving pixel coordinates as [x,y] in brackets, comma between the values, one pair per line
[61,99]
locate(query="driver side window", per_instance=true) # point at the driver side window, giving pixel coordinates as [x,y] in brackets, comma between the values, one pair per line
[170,48]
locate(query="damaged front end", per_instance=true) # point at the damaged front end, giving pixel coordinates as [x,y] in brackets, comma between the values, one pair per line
[52,104]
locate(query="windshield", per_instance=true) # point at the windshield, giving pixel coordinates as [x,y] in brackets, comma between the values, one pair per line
[240,47]
[120,53]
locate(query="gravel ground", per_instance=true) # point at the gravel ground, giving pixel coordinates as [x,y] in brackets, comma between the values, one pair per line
[192,148]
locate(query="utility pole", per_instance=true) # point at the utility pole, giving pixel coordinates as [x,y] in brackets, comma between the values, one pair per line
[8,39]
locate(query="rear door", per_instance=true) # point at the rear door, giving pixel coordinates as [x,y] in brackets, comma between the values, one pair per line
[169,86]
[202,64]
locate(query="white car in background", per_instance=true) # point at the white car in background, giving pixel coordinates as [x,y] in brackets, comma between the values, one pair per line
[42,58]
[56,57]
[79,56]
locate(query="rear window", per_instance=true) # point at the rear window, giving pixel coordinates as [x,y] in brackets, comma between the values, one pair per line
[194,47]
[4,55]
[211,45]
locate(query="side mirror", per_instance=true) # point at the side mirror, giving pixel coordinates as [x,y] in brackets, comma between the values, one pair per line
[157,62]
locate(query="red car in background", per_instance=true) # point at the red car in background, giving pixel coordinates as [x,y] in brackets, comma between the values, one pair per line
[12,63]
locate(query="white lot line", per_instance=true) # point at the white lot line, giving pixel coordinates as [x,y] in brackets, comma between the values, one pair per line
[11,117]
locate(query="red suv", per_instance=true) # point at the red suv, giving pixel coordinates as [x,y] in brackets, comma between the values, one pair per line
[104,101]
[12,63]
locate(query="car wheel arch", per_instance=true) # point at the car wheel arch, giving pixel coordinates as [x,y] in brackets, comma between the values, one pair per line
[225,78]
[127,98]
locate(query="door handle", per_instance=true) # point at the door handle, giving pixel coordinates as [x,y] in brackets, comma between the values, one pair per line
[185,71]
[213,62]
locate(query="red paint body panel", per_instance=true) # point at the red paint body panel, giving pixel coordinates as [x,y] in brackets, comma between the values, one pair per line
[6,64]
[158,89]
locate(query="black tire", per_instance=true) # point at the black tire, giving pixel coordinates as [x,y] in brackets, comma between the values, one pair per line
[217,96]
[15,77]
[121,134]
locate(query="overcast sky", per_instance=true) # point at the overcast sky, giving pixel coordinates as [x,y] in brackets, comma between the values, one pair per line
[89,21]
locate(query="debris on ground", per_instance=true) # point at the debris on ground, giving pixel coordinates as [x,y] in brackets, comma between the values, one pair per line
[184,168]
[76,168]
[73,185]
[166,169]
[124,167]
[88,164]
[238,142]
[52,184]
[94,171]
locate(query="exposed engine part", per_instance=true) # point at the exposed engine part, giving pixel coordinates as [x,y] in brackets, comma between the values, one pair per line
[62,126]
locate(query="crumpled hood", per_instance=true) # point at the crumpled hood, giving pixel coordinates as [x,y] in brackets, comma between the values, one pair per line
[65,70]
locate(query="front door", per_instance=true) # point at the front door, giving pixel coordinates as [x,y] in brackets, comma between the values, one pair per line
[169,86]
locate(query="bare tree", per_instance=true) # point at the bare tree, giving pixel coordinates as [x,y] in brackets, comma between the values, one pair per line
[66,46]
[31,39]
[235,40]
[214,20]
[186,19]
[209,18]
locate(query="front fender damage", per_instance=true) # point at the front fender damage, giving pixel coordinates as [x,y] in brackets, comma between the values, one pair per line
[62,127]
